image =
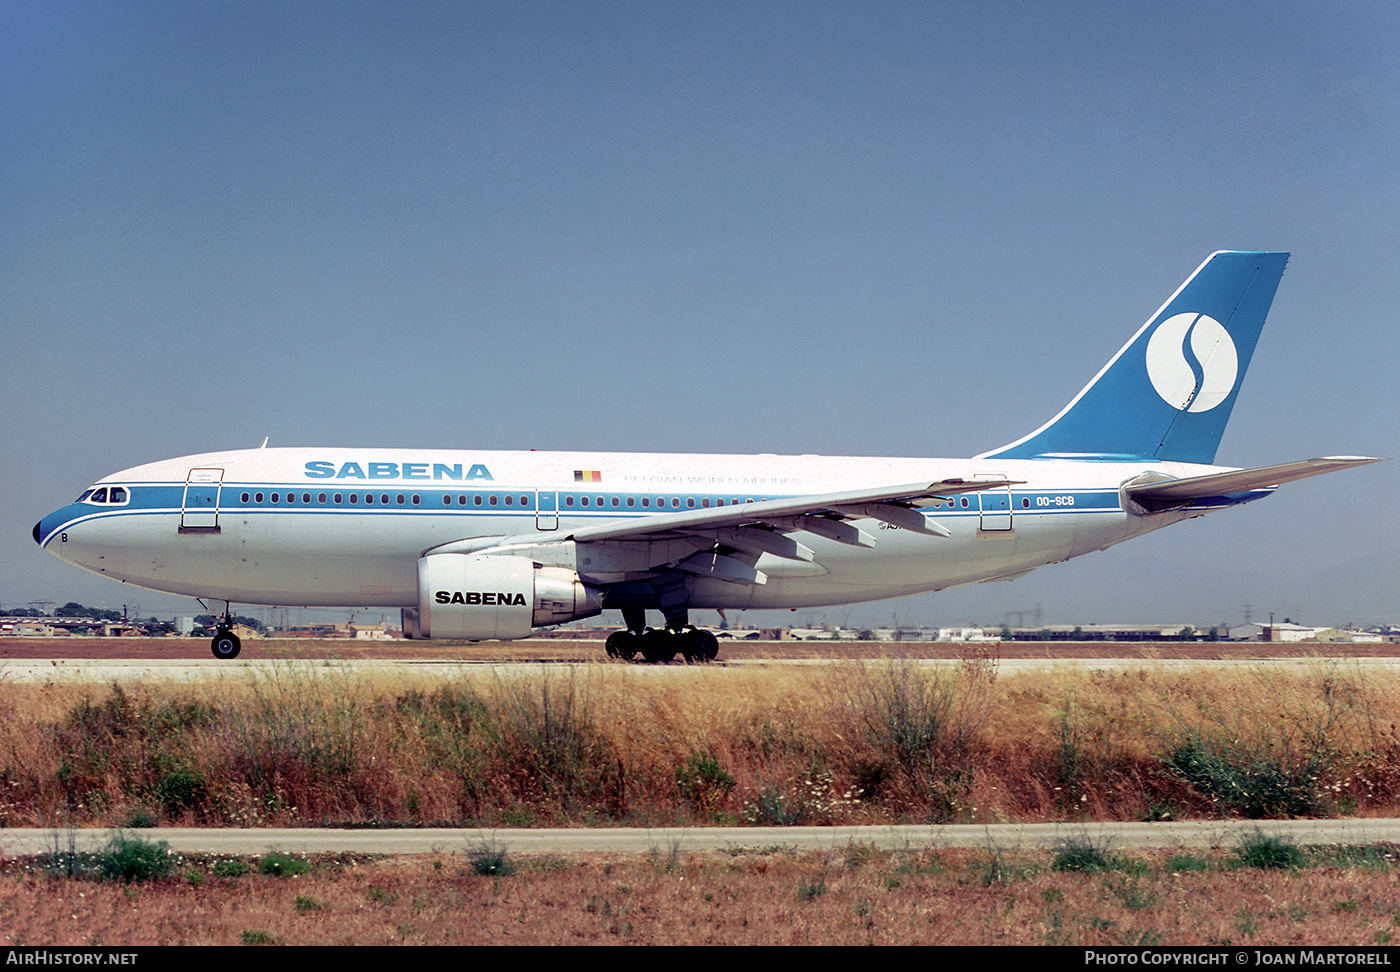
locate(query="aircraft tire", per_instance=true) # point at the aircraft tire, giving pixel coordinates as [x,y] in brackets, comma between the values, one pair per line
[704,646]
[658,646]
[622,644]
[226,645]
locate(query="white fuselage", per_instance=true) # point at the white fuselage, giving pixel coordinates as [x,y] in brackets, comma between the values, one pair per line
[346,527]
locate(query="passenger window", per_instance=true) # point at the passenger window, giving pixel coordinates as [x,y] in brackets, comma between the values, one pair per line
[384,498]
[244,497]
[568,501]
[646,501]
[399,499]
[524,501]
[338,498]
[510,500]
[690,502]
[631,501]
[614,501]
[493,499]
[415,499]
[321,497]
[258,498]
[583,500]
[276,497]
[306,497]
[477,499]
[446,500]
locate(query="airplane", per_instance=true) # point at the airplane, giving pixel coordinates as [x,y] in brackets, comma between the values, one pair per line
[476,545]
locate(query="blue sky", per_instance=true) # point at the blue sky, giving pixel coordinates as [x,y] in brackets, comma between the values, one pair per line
[847,228]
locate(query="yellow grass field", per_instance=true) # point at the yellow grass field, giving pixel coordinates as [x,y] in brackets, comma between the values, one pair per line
[864,741]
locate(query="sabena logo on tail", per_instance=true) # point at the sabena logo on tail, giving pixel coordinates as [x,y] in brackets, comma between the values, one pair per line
[1192,362]
[1168,393]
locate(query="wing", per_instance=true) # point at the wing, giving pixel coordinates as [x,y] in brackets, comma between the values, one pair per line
[896,505]
[725,542]
[730,539]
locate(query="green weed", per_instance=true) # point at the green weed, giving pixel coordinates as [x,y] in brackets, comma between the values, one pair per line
[231,868]
[1266,851]
[489,859]
[127,858]
[1081,854]
[283,865]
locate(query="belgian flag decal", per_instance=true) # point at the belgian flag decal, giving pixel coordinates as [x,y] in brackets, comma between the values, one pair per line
[588,476]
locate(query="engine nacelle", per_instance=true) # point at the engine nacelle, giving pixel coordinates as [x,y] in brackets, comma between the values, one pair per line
[473,598]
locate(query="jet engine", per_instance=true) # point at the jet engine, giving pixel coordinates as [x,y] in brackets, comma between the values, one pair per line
[474,597]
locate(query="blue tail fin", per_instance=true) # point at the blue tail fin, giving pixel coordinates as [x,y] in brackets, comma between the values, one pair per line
[1168,393]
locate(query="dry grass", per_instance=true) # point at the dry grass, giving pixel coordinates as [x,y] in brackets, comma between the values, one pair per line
[852,742]
[853,896]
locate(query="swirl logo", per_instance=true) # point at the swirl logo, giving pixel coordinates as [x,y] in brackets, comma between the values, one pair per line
[1192,362]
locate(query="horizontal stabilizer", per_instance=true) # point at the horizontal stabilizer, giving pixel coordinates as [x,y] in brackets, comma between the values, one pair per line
[1242,480]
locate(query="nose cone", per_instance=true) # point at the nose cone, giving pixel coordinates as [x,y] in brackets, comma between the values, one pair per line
[44,529]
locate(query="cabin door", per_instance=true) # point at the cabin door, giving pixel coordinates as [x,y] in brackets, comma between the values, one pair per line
[199,512]
[996,508]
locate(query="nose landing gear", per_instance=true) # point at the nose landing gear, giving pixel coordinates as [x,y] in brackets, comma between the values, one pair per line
[226,645]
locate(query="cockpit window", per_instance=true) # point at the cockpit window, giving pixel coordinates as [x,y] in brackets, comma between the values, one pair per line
[86,494]
[112,495]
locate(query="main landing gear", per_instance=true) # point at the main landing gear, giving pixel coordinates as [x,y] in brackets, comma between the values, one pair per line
[661,644]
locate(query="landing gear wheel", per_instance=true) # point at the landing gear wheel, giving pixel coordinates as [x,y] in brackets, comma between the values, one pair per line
[658,646]
[226,645]
[622,644]
[704,646]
